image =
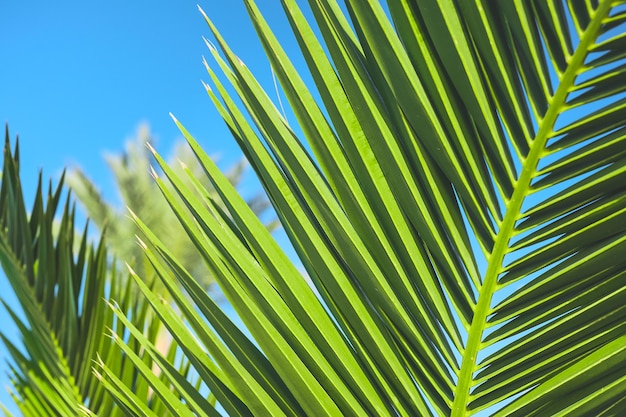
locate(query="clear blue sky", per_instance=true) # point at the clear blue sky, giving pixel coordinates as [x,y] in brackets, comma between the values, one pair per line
[77,78]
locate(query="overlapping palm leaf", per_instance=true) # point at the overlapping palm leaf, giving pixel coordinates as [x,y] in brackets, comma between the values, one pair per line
[139,193]
[61,282]
[461,214]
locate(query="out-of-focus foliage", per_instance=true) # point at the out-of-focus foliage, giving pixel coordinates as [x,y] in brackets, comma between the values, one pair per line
[139,193]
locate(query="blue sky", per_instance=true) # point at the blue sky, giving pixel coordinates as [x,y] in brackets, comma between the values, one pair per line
[77,78]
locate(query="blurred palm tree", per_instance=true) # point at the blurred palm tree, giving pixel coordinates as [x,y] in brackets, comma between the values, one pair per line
[140,194]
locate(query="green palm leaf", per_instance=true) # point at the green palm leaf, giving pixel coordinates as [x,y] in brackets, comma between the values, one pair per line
[139,193]
[461,215]
[61,282]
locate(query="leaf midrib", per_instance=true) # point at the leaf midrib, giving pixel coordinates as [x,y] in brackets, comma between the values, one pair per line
[513,210]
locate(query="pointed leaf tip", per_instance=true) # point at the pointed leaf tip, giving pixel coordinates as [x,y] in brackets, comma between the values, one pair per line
[109,333]
[150,147]
[99,360]
[132,213]
[153,173]
[130,269]
[210,45]
[141,243]
[114,305]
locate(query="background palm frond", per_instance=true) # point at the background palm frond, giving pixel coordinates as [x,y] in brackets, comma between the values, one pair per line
[65,323]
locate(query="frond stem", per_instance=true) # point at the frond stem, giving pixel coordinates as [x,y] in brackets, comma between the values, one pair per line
[462,395]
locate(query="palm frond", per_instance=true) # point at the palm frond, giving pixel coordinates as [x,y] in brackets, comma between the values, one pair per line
[139,193]
[62,297]
[461,215]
